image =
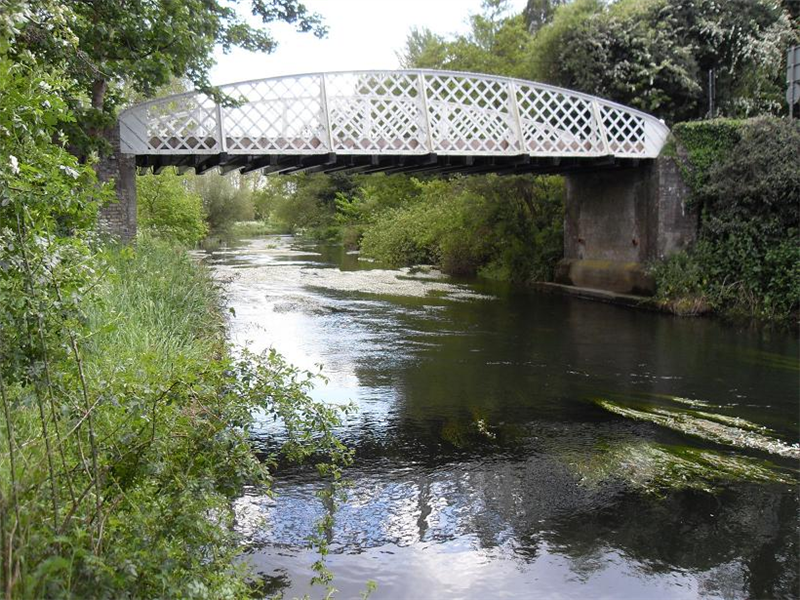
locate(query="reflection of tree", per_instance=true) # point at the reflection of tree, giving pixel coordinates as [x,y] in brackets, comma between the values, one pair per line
[696,532]
[479,403]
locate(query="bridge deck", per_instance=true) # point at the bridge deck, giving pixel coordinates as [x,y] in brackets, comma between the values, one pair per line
[285,164]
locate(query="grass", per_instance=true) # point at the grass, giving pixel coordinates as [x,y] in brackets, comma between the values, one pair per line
[155,307]
[244,229]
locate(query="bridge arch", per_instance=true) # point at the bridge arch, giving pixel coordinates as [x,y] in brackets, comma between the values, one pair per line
[407,120]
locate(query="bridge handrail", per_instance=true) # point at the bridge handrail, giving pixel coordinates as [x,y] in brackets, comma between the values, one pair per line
[478,114]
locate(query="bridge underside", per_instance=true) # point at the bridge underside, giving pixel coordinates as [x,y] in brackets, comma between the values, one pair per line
[381,163]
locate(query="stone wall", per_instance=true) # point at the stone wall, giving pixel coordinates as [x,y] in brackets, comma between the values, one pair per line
[118,219]
[616,221]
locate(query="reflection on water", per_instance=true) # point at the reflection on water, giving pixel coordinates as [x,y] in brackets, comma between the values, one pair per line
[511,444]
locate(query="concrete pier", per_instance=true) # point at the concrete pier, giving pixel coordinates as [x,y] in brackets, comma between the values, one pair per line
[617,221]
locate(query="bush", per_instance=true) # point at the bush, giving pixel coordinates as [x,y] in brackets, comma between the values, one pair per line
[167,208]
[130,470]
[305,203]
[509,227]
[703,144]
[747,259]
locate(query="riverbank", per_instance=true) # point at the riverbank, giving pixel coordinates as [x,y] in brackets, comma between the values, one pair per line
[128,449]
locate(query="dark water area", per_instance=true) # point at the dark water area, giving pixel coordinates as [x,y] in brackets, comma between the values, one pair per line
[513,444]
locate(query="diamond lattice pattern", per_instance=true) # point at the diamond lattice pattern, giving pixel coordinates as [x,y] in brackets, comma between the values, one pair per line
[186,124]
[470,115]
[392,112]
[280,115]
[626,134]
[555,123]
[376,111]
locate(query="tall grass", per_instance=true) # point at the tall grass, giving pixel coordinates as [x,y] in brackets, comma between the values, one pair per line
[125,434]
[155,307]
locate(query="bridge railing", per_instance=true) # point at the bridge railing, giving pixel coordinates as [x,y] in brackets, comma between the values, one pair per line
[410,112]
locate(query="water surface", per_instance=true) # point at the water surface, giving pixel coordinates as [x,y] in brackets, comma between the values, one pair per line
[513,444]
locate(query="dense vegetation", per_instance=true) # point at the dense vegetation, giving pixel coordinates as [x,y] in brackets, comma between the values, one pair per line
[124,421]
[745,177]
[650,54]
[506,228]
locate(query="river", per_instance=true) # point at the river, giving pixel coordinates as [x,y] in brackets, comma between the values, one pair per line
[514,444]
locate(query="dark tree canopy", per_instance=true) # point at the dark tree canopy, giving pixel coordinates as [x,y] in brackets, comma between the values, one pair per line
[123,46]
[650,54]
[539,13]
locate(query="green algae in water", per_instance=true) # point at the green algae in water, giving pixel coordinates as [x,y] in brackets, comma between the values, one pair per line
[692,402]
[770,360]
[654,468]
[724,430]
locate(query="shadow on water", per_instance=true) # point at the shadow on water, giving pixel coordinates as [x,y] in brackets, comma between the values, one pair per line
[511,444]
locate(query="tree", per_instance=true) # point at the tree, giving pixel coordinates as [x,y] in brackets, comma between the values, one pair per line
[656,54]
[140,45]
[226,200]
[424,49]
[495,44]
[539,13]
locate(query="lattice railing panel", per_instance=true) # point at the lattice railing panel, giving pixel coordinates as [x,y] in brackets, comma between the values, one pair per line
[278,115]
[626,131]
[554,122]
[392,113]
[377,111]
[185,124]
[470,115]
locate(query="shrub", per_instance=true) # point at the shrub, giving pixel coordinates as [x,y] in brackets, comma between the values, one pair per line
[167,208]
[747,259]
[703,144]
[130,470]
[509,227]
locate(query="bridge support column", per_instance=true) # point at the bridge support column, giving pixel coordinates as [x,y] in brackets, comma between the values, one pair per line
[616,221]
[118,219]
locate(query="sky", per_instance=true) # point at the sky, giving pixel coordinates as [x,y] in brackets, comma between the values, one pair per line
[362,34]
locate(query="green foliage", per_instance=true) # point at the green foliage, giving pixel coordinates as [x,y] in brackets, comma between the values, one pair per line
[145,45]
[651,54]
[506,227]
[703,144]
[167,208]
[164,415]
[539,13]
[226,200]
[125,424]
[494,44]
[631,54]
[655,54]
[305,203]
[758,181]
[747,261]
[249,229]
[551,42]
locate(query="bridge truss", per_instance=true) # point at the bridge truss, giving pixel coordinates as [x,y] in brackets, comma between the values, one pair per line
[389,121]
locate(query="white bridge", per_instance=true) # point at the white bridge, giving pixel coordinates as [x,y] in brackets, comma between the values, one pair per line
[389,121]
